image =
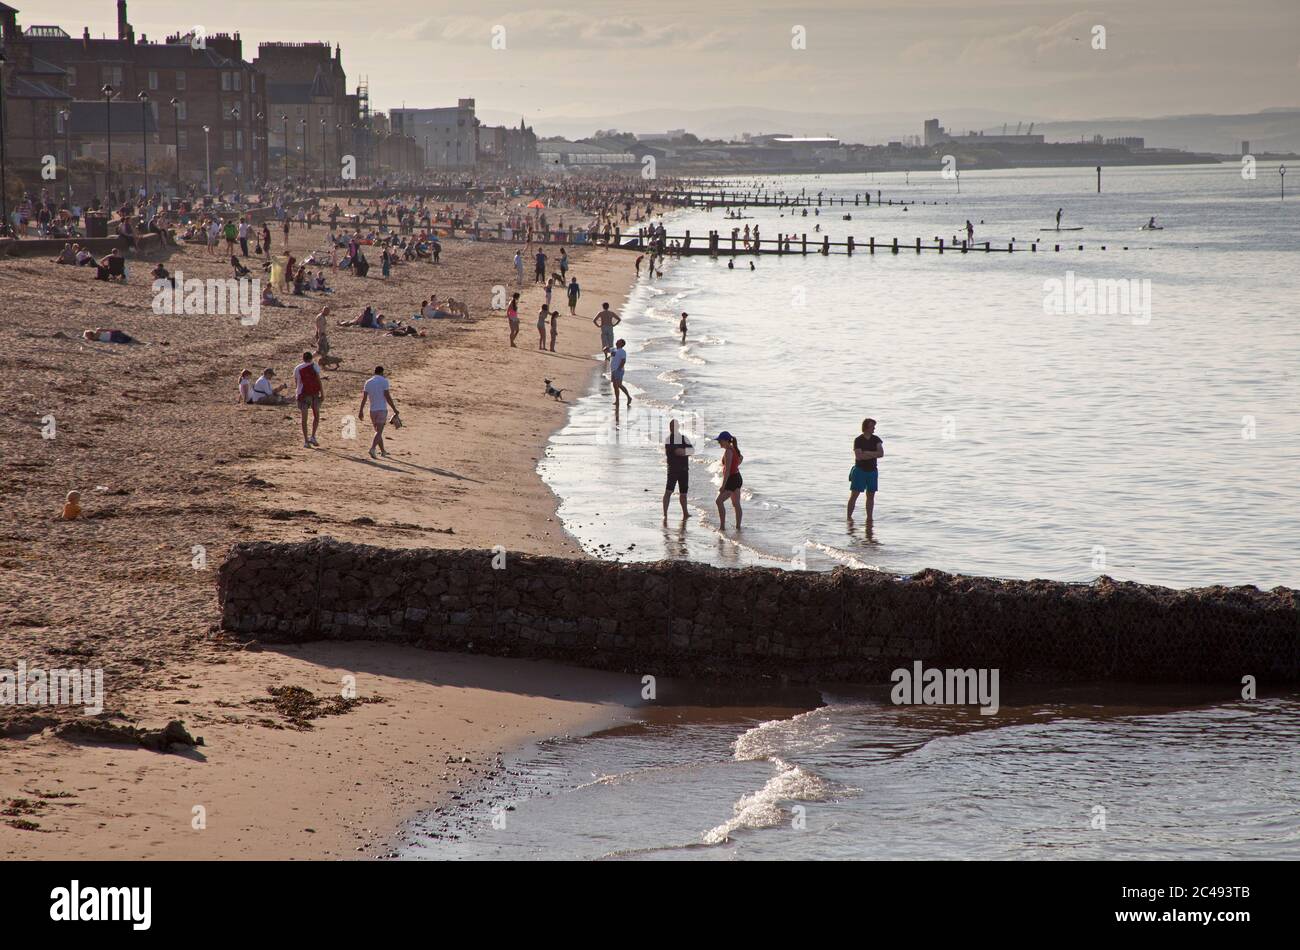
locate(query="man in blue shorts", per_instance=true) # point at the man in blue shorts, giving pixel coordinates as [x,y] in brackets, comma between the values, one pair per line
[863,476]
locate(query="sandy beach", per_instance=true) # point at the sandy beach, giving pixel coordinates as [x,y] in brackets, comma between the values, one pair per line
[172,471]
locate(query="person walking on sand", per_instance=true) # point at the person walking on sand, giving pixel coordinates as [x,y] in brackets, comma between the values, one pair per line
[678,451]
[682,326]
[512,317]
[321,340]
[519,268]
[564,264]
[607,320]
[541,327]
[863,476]
[555,328]
[617,364]
[310,393]
[574,293]
[539,267]
[376,391]
[731,480]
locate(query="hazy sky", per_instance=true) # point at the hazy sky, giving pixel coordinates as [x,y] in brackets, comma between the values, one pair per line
[597,57]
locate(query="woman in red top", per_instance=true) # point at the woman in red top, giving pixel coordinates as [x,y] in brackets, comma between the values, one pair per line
[731,480]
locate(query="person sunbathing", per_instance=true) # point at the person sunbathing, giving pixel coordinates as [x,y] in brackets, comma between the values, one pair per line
[108,335]
[240,269]
[366,320]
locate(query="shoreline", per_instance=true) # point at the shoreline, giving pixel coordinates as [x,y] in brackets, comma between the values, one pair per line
[463,472]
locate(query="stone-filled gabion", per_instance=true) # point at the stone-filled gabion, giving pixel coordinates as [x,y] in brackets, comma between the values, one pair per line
[693,620]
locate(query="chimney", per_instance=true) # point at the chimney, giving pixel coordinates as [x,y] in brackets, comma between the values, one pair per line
[85,38]
[123,28]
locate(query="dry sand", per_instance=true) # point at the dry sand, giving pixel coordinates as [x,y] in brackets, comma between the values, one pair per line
[166,460]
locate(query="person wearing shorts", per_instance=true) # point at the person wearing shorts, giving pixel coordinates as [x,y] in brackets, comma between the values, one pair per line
[678,452]
[376,391]
[607,319]
[863,476]
[310,393]
[731,480]
[618,363]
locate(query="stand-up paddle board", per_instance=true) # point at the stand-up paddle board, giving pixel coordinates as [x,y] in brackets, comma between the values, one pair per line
[1158,227]
[1060,229]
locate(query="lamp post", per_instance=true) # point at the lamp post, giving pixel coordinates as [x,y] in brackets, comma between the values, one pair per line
[66,116]
[144,138]
[108,92]
[1281,173]
[176,113]
[260,119]
[322,152]
[338,148]
[306,175]
[207,157]
[285,119]
[4,181]
[234,114]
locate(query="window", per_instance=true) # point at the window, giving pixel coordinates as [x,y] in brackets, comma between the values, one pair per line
[180,80]
[72,76]
[239,138]
[183,138]
[225,81]
[112,75]
[153,79]
[180,111]
[234,81]
[227,141]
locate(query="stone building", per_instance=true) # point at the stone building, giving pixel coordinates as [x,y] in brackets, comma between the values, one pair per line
[310,113]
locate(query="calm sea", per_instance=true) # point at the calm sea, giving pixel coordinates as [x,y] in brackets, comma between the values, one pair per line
[1157,442]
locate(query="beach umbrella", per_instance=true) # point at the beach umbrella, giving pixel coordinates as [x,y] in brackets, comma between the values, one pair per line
[537,203]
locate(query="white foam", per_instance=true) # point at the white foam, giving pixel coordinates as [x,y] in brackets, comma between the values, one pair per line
[762,809]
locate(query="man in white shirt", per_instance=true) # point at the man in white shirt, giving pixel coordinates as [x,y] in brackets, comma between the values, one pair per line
[266,392]
[376,392]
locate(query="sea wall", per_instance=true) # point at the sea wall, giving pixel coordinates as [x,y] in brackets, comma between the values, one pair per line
[676,618]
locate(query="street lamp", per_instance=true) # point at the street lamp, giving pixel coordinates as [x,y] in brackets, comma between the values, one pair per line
[302,125]
[4,183]
[176,112]
[207,157]
[66,116]
[234,114]
[144,138]
[1281,173]
[108,92]
[322,152]
[257,166]
[285,119]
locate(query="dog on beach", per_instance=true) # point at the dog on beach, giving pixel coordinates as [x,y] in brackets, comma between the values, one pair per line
[330,362]
[556,394]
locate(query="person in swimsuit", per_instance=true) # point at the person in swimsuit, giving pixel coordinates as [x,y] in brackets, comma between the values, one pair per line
[607,319]
[618,363]
[682,326]
[574,292]
[512,317]
[731,480]
[555,328]
[541,327]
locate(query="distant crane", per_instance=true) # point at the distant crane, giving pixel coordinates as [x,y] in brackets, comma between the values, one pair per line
[1018,125]
[1031,129]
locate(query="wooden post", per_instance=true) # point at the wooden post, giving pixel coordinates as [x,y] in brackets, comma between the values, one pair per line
[895,247]
[850,244]
[686,244]
[918,245]
[805,243]
[1058,247]
[826,246]
[940,245]
[965,245]
[871,246]
[1033,248]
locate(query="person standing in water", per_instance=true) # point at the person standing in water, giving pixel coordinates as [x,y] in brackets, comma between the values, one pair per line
[607,319]
[1058,218]
[970,232]
[678,451]
[682,326]
[617,364]
[863,476]
[731,480]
